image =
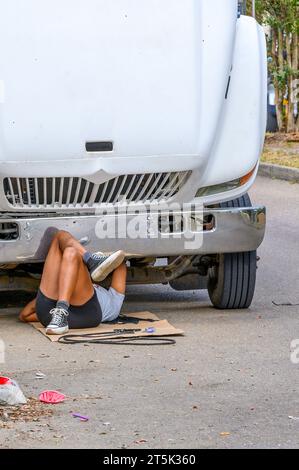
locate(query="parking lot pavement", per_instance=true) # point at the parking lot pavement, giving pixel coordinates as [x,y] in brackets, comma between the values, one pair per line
[229,382]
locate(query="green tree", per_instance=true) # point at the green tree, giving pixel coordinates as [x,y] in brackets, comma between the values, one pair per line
[282,18]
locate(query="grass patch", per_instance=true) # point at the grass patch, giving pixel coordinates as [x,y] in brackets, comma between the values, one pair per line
[282,149]
[280,157]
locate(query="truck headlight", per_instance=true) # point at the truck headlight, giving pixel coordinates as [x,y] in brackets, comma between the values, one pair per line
[224,187]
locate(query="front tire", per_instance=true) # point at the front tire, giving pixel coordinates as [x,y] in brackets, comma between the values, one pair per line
[231,282]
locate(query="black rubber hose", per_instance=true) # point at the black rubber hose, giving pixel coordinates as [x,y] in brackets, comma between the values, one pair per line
[121,340]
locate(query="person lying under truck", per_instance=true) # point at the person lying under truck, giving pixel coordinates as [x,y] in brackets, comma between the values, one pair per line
[67,297]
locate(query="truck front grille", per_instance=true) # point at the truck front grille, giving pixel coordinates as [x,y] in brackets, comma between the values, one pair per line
[78,193]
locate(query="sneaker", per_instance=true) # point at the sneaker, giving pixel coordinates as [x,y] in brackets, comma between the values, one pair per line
[59,324]
[100,266]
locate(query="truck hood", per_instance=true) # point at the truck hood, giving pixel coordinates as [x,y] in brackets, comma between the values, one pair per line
[148,77]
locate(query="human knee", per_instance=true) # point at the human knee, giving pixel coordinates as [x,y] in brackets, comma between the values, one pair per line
[62,235]
[71,254]
[63,239]
[23,317]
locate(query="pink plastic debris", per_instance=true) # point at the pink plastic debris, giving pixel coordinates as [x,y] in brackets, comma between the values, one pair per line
[52,397]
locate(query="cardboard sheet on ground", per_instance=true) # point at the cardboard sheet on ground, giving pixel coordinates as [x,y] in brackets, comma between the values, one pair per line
[162,327]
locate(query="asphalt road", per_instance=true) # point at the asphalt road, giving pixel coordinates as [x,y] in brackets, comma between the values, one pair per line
[228,383]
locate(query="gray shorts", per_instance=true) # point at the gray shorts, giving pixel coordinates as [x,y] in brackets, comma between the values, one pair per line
[111,303]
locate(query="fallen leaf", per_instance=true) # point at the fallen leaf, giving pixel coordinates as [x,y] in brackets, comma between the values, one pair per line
[31,412]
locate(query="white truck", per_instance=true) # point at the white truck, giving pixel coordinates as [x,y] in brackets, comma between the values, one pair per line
[123,110]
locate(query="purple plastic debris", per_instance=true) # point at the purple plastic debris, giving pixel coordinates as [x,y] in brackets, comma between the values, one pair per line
[150,330]
[81,417]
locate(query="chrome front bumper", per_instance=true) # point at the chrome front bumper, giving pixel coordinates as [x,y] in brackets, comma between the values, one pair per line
[233,230]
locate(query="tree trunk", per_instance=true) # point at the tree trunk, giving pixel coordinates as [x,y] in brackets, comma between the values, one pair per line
[280,92]
[290,83]
[295,81]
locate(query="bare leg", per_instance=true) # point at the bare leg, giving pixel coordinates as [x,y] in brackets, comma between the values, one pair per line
[119,279]
[74,284]
[28,314]
[50,278]
[66,240]
[69,273]
[65,276]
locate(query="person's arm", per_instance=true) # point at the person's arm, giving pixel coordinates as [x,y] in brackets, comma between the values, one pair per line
[28,314]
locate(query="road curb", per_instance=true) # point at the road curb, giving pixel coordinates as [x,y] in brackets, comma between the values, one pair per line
[279,172]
